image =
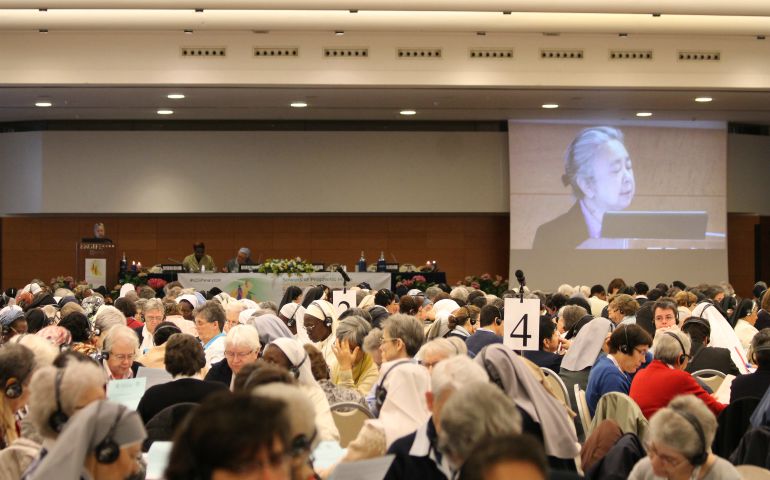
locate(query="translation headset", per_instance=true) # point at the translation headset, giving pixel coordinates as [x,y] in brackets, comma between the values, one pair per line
[293,321]
[698,321]
[626,347]
[167,327]
[499,318]
[327,319]
[58,418]
[107,451]
[294,369]
[301,443]
[702,455]
[13,388]
[380,392]
[681,358]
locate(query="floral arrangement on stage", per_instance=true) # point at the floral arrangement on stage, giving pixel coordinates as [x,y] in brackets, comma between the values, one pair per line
[417,281]
[286,265]
[62,281]
[496,285]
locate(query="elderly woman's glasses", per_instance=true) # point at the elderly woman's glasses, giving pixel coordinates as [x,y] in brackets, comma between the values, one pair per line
[666,459]
[238,355]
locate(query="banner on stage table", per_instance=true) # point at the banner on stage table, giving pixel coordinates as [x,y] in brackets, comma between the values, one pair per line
[343,301]
[261,286]
[521,324]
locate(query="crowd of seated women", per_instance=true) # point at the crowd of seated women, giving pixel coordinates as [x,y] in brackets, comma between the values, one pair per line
[250,389]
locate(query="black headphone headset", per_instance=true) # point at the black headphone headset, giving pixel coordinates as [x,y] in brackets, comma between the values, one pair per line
[58,418]
[681,358]
[626,346]
[698,321]
[301,443]
[327,319]
[702,455]
[293,321]
[107,451]
[172,327]
[13,388]
[380,392]
[494,374]
[294,369]
[499,318]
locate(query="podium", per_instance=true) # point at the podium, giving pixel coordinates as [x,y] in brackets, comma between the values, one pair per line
[95,263]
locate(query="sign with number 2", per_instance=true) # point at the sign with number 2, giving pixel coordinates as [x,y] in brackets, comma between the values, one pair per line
[522,324]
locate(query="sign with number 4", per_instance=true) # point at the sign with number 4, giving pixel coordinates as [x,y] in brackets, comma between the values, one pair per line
[521,324]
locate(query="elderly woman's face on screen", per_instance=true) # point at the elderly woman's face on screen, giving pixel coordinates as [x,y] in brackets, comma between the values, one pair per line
[612,184]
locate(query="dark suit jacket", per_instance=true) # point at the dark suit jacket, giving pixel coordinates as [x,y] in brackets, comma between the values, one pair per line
[479,340]
[408,466]
[220,372]
[751,385]
[713,358]
[544,359]
[158,397]
[565,232]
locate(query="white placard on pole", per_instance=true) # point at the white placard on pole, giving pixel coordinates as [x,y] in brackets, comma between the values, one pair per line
[343,301]
[521,324]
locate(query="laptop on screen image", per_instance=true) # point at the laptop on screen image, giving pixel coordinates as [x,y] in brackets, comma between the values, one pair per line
[650,224]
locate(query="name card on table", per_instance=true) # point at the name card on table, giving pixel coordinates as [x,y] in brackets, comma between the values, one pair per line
[343,301]
[521,325]
[172,268]
[248,268]
[392,267]
[126,392]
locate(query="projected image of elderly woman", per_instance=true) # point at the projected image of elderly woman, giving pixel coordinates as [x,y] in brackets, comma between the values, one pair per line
[598,168]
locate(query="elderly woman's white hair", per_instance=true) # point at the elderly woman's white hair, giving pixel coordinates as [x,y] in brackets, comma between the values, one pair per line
[455,373]
[368,301]
[471,414]
[440,347]
[118,333]
[460,293]
[300,408]
[667,349]
[565,289]
[670,428]
[354,329]
[154,304]
[75,380]
[45,351]
[108,316]
[244,336]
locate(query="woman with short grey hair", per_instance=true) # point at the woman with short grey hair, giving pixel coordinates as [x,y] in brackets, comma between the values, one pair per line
[472,414]
[679,445]
[402,337]
[354,368]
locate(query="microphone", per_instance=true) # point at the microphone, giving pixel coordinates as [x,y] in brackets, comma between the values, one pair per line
[343,273]
[520,277]
[173,260]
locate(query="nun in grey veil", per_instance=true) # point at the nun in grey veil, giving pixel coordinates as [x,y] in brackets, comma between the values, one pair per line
[103,440]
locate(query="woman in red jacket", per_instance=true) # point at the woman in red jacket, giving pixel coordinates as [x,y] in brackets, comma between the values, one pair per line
[655,386]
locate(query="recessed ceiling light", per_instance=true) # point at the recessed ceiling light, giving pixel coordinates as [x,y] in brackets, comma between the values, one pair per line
[188,31]
[43,30]
[408,112]
[339,33]
[703,99]
[175,96]
[43,103]
[298,104]
[643,114]
[550,105]
[165,111]
[198,10]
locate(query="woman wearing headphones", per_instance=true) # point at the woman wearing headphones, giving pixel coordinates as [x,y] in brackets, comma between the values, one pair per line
[679,445]
[16,365]
[628,346]
[289,354]
[101,442]
[664,378]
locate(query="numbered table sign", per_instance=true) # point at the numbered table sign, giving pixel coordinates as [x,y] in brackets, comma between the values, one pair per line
[343,301]
[521,324]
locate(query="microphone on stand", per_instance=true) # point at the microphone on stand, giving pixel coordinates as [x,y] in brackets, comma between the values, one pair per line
[522,282]
[345,278]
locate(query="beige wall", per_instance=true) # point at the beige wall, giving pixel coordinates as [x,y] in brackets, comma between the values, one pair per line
[748,189]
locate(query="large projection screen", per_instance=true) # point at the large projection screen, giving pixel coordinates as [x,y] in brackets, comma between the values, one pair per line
[636,200]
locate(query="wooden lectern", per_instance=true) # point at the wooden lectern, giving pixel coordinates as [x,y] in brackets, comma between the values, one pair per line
[95,263]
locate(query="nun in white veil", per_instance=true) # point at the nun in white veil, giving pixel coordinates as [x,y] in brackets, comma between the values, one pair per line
[299,365]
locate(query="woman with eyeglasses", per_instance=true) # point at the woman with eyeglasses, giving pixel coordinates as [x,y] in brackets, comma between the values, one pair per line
[628,346]
[462,322]
[242,347]
[678,445]
[184,360]
[119,353]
